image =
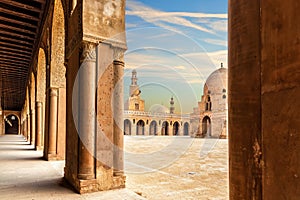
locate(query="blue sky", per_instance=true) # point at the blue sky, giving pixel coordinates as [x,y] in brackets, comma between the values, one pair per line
[174,45]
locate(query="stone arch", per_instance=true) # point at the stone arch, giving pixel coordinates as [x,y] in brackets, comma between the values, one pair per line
[57,68]
[153,128]
[12,124]
[165,128]
[32,91]
[32,98]
[40,96]
[55,126]
[127,127]
[41,76]
[186,128]
[206,126]
[176,128]
[140,127]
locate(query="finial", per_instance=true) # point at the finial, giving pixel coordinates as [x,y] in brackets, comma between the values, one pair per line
[221,65]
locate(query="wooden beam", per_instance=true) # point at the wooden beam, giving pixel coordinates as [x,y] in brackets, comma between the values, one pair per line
[2,48]
[15,57]
[15,40]
[8,64]
[4,43]
[5,33]
[12,61]
[22,23]
[25,16]
[21,30]
[21,5]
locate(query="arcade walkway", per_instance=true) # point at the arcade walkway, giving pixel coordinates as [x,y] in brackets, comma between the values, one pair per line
[25,175]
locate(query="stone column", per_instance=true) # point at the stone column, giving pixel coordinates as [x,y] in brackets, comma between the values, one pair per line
[28,127]
[170,129]
[158,128]
[118,137]
[32,126]
[146,129]
[181,129]
[87,111]
[52,123]
[39,124]
[24,128]
[133,129]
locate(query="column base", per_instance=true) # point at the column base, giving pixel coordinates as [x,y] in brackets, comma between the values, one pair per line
[223,137]
[118,173]
[94,185]
[86,176]
[199,135]
[39,148]
[53,157]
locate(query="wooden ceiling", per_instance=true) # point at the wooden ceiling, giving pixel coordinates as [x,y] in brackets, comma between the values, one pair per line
[20,24]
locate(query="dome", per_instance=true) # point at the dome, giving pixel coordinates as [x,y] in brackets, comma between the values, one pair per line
[157,108]
[217,81]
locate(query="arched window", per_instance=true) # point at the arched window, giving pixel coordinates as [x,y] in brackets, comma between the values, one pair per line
[208,104]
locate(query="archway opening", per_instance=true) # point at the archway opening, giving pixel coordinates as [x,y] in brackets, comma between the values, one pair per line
[176,128]
[165,128]
[153,128]
[186,129]
[127,127]
[140,127]
[206,126]
[11,124]
[40,97]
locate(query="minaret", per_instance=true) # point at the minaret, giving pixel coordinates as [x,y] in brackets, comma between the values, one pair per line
[134,88]
[133,78]
[172,108]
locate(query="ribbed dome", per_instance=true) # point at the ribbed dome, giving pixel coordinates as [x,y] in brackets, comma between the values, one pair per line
[217,81]
[157,108]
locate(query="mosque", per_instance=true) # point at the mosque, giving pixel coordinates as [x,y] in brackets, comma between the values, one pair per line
[43,45]
[209,119]
[160,120]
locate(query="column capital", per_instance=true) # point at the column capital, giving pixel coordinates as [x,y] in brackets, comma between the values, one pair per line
[53,92]
[88,52]
[119,54]
[38,103]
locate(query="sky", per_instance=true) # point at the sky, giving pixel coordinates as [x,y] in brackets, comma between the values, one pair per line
[174,45]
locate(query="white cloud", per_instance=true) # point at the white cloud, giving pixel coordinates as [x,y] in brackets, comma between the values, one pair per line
[219,25]
[196,81]
[174,14]
[180,67]
[208,60]
[216,42]
[162,19]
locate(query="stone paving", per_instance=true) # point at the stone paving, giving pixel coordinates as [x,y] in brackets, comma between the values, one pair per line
[156,167]
[189,168]
[24,175]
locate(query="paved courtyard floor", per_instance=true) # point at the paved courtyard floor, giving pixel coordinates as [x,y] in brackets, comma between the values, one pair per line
[159,168]
[177,167]
[24,175]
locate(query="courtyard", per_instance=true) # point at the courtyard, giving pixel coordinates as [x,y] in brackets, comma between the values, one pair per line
[158,167]
[177,167]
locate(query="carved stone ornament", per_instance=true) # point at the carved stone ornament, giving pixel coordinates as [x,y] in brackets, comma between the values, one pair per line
[88,52]
[118,54]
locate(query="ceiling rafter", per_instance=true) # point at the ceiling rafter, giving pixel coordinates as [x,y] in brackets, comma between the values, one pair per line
[20,24]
